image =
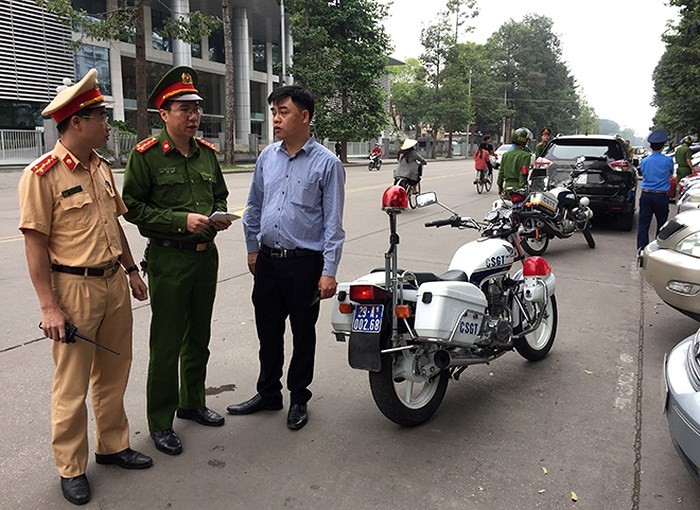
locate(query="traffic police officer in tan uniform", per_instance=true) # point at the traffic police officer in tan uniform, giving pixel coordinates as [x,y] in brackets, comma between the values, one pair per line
[75,249]
[172,184]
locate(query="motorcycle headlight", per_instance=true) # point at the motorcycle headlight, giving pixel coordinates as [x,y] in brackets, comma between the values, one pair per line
[690,245]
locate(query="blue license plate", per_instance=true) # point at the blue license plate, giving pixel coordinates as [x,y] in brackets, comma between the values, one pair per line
[367,319]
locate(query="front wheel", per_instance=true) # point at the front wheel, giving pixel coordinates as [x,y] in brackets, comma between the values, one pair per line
[403,393]
[589,237]
[413,192]
[534,245]
[536,345]
[479,186]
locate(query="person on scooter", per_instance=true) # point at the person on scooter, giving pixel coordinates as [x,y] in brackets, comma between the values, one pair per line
[515,163]
[376,152]
[410,163]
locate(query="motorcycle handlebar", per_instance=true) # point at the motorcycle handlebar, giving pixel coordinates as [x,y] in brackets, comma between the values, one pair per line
[455,222]
[439,223]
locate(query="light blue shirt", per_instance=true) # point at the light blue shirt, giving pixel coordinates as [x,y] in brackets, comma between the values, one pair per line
[297,202]
[656,171]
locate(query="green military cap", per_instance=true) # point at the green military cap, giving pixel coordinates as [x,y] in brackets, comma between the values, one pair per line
[178,84]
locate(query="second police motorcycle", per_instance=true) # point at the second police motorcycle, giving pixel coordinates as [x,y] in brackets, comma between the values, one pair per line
[413,331]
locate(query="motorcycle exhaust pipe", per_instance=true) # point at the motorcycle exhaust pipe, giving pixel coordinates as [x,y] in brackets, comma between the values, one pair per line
[445,359]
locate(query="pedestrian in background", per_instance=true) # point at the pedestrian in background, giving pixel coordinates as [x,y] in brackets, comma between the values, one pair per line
[172,184]
[69,209]
[294,235]
[657,170]
[683,157]
[545,134]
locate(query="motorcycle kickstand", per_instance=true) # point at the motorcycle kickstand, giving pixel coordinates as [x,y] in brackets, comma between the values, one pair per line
[457,372]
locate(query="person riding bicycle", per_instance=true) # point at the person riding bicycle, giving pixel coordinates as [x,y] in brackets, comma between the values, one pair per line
[411,163]
[515,163]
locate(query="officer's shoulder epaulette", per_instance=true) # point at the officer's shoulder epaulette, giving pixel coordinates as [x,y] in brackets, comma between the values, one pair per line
[146,144]
[104,159]
[210,145]
[44,164]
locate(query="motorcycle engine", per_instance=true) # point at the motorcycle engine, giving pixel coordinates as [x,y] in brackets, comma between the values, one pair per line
[498,321]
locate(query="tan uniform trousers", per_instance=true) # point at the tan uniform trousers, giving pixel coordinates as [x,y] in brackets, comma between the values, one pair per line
[101,309]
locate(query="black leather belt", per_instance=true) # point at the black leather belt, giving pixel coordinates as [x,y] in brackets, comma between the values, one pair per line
[654,191]
[86,271]
[281,253]
[182,245]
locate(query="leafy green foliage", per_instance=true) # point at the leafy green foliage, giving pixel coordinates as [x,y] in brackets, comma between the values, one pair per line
[340,56]
[677,75]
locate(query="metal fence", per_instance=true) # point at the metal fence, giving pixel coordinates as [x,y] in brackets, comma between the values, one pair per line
[20,147]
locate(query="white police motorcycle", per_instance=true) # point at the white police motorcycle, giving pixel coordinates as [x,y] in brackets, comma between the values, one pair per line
[413,331]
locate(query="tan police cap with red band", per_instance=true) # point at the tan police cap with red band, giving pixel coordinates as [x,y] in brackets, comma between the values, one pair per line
[178,84]
[84,94]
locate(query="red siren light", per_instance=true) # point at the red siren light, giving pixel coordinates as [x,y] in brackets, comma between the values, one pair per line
[536,266]
[394,199]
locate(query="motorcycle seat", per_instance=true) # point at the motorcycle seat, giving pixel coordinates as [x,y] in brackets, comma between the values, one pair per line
[454,275]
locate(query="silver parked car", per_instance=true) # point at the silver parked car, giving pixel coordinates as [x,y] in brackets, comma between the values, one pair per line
[682,407]
[671,263]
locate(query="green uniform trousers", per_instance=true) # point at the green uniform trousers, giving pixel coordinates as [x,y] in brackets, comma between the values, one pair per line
[182,286]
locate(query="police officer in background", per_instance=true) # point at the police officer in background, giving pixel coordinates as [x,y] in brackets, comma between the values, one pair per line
[515,163]
[684,157]
[656,182]
[69,209]
[544,140]
[172,184]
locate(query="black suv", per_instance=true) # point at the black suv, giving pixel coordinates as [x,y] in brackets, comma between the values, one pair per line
[609,181]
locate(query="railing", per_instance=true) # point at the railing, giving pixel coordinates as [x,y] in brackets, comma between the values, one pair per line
[20,147]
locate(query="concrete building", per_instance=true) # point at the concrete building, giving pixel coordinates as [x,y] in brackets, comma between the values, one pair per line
[35,57]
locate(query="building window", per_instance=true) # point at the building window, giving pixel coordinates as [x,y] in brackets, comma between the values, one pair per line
[87,57]
[259,57]
[196,50]
[20,114]
[216,46]
[276,59]
[158,24]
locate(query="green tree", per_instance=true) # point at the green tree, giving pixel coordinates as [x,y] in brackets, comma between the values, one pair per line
[677,75]
[340,55]
[538,86]
[408,97]
[116,25]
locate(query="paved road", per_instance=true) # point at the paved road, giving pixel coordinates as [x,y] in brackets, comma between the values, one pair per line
[512,435]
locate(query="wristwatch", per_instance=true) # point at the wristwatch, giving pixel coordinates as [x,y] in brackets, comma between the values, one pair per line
[131,269]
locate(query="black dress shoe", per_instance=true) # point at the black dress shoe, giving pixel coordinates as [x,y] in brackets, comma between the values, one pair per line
[203,416]
[76,489]
[127,459]
[255,404]
[167,441]
[297,417]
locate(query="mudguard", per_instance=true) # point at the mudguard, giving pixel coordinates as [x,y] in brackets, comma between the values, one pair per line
[364,351]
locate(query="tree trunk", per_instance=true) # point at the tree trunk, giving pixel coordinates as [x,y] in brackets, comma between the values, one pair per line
[449,147]
[433,151]
[229,114]
[142,128]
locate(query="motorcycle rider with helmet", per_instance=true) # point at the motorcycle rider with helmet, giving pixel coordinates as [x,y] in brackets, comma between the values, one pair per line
[516,162]
[410,163]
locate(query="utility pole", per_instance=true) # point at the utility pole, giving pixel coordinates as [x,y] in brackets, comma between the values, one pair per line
[469,95]
[283,45]
[505,105]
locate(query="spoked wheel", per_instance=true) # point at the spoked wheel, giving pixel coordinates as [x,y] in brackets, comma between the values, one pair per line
[479,183]
[401,391]
[536,345]
[589,237]
[413,192]
[487,184]
[534,245]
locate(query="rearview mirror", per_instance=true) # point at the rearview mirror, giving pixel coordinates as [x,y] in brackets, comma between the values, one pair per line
[425,199]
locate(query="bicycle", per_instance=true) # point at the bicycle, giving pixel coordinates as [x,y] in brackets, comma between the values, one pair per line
[483,182]
[412,190]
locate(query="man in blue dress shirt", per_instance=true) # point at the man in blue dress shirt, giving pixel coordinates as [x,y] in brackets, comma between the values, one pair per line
[294,236]
[656,171]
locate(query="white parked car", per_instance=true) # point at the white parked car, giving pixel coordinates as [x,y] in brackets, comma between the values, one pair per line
[498,153]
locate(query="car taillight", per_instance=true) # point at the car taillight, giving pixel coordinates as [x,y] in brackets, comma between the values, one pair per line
[620,164]
[542,163]
[367,294]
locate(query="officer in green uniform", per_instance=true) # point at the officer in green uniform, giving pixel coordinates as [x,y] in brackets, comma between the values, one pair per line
[683,158]
[172,184]
[544,140]
[516,162]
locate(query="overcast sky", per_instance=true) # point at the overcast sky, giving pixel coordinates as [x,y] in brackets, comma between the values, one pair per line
[610,46]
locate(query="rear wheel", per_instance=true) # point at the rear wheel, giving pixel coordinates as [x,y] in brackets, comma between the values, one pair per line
[536,345]
[402,392]
[487,184]
[589,237]
[534,245]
